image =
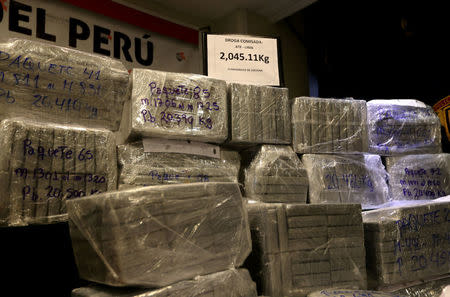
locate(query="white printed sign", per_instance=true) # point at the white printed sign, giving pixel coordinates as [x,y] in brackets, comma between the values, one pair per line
[243,59]
[159,145]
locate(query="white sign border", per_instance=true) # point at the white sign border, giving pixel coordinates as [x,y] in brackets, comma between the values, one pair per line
[281,82]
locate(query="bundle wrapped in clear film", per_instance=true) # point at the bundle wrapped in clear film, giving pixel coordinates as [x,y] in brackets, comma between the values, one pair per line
[409,243]
[435,288]
[346,179]
[259,114]
[402,127]
[229,283]
[419,177]
[298,249]
[138,168]
[329,125]
[155,236]
[276,174]
[42,165]
[176,106]
[352,293]
[61,85]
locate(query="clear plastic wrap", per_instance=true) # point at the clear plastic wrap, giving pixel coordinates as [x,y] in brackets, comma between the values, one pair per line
[409,243]
[61,85]
[229,283]
[259,114]
[42,165]
[434,288]
[419,177]
[155,236]
[346,179]
[329,125]
[301,248]
[402,127]
[276,174]
[138,168]
[351,293]
[176,106]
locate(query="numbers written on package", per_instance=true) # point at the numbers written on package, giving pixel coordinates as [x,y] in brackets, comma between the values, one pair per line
[348,181]
[423,261]
[40,173]
[180,119]
[65,104]
[31,193]
[32,81]
[349,293]
[244,57]
[182,176]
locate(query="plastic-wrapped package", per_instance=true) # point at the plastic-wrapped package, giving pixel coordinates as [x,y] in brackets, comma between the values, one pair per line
[419,177]
[176,106]
[61,85]
[434,288]
[229,283]
[346,179]
[155,236]
[409,243]
[276,174]
[42,165]
[301,248]
[351,293]
[329,125]
[402,127]
[138,168]
[259,114]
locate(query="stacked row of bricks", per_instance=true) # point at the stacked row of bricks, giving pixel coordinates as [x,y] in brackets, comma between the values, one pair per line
[308,166]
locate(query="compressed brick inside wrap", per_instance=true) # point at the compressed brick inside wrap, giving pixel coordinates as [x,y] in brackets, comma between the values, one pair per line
[43,165]
[328,125]
[138,168]
[346,179]
[228,283]
[155,236]
[351,293]
[419,177]
[408,243]
[402,127]
[62,85]
[276,174]
[259,114]
[298,249]
[176,106]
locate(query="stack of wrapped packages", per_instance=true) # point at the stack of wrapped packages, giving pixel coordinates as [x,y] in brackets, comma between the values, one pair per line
[299,248]
[407,239]
[139,168]
[403,126]
[151,219]
[259,115]
[332,136]
[59,109]
[408,243]
[163,237]
[276,174]
[168,108]
[177,226]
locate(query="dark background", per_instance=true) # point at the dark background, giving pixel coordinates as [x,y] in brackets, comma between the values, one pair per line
[37,261]
[377,49]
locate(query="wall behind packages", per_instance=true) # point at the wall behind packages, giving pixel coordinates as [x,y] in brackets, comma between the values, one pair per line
[69,26]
